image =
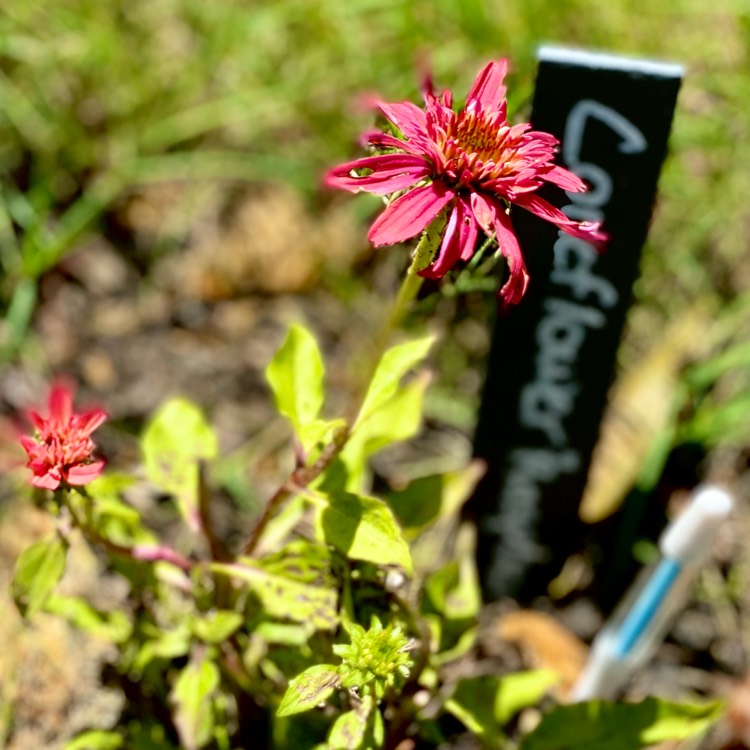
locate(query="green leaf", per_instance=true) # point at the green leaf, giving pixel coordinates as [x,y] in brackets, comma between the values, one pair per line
[620,726]
[295,375]
[283,633]
[191,694]
[363,528]
[38,570]
[485,704]
[398,418]
[112,517]
[348,731]
[453,590]
[393,365]
[166,644]
[216,626]
[174,442]
[520,690]
[115,626]
[295,583]
[95,739]
[308,689]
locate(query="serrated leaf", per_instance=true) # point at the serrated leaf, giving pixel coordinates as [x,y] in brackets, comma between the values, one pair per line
[174,442]
[216,626]
[363,528]
[308,689]
[95,739]
[194,712]
[620,726]
[393,365]
[38,570]
[295,375]
[295,583]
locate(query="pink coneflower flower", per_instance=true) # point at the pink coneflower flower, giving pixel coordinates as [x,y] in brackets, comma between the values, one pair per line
[473,164]
[61,451]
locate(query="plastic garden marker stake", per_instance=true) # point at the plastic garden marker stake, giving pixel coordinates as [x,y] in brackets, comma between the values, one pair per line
[641,621]
[553,355]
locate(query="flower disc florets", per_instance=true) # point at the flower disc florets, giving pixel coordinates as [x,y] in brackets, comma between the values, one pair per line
[471,165]
[374,659]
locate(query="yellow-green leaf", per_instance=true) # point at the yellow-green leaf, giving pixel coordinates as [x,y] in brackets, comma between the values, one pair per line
[308,689]
[620,726]
[38,570]
[363,528]
[174,442]
[295,375]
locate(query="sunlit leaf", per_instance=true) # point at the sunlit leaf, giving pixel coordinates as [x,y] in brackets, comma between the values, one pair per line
[95,739]
[216,626]
[487,703]
[295,583]
[194,712]
[166,644]
[295,375]
[394,364]
[348,731]
[519,690]
[308,689]
[620,726]
[114,626]
[363,528]
[397,418]
[174,442]
[38,570]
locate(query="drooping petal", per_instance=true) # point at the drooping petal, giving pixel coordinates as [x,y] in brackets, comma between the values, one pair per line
[565,179]
[388,173]
[48,481]
[409,214]
[484,212]
[488,92]
[84,473]
[515,287]
[459,241]
[491,216]
[585,230]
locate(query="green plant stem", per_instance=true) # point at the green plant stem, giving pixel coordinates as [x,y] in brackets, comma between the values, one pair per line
[423,255]
[302,476]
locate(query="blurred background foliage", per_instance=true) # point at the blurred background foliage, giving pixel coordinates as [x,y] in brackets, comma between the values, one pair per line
[100,99]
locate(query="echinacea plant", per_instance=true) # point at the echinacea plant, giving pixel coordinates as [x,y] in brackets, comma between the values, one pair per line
[341,619]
